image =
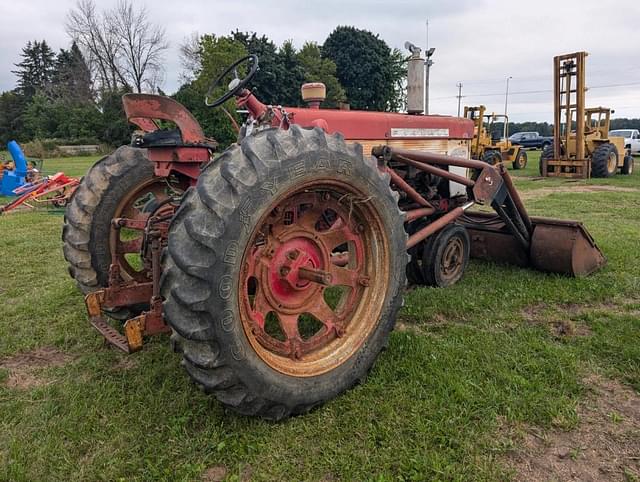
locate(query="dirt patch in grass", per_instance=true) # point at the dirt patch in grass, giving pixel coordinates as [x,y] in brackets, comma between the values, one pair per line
[562,328]
[214,474]
[562,319]
[23,367]
[403,326]
[604,446]
[559,320]
[579,188]
[409,324]
[125,362]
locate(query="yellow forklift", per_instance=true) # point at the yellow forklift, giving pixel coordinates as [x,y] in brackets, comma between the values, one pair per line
[487,149]
[581,145]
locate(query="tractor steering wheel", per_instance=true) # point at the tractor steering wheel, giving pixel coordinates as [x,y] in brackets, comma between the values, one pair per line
[237,84]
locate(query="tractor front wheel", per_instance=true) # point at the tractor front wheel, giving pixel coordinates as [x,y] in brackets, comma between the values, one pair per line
[285,271]
[446,256]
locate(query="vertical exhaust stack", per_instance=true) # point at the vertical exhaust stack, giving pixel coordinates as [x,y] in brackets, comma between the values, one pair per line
[415,80]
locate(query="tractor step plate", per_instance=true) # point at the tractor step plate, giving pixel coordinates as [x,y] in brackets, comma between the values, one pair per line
[110,334]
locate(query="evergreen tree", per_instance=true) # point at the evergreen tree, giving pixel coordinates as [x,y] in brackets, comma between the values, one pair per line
[12,106]
[35,71]
[290,73]
[71,79]
[267,84]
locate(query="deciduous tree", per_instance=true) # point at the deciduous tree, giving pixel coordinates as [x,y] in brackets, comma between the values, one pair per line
[366,67]
[321,69]
[123,48]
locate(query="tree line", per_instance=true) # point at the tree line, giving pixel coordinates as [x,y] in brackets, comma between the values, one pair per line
[546,129]
[74,95]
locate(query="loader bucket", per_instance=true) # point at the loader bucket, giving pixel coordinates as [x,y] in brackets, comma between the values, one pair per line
[556,246]
[564,247]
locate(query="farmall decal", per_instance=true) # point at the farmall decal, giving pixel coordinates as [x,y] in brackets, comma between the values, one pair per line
[417,132]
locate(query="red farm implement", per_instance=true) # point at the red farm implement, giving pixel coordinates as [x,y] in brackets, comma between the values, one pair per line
[284,258]
[55,190]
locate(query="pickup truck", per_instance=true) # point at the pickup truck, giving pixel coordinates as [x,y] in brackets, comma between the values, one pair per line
[631,139]
[530,139]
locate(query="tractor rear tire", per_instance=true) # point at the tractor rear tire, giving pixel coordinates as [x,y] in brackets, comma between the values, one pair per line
[222,271]
[520,162]
[446,256]
[547,153]
[627,167]
[604,161]
[491,157]
[87,220]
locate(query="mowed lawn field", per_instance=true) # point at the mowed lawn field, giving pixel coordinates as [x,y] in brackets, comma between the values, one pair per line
[510,374]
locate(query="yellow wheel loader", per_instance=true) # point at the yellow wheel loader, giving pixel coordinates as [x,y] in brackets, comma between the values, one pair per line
[484,147]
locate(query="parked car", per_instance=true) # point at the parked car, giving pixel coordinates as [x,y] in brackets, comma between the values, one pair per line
[631,139]
[531,139]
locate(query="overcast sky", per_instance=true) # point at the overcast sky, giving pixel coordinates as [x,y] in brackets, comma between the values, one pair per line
[479,43]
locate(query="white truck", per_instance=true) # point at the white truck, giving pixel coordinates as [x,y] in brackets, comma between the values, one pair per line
[631,139]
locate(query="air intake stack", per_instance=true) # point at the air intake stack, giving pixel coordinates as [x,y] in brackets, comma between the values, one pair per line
[313,94]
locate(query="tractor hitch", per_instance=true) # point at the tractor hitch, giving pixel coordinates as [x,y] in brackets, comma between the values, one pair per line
[122,294]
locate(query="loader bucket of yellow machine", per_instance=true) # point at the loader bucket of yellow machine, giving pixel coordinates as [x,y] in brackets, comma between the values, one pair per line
[564,247]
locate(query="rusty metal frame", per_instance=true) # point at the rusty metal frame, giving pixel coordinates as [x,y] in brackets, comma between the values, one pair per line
[489,183]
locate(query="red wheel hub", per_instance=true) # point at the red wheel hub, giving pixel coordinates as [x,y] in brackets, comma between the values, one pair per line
[284,269]
[306,268]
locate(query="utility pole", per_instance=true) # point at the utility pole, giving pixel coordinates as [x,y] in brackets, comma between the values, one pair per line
[459,96]
[506,99]
[427,65]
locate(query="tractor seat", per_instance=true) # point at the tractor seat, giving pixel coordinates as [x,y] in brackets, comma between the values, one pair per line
[159,138]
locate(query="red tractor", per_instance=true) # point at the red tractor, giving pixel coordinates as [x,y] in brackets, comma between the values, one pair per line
[279,265]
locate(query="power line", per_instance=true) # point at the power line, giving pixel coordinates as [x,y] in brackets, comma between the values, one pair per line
[544,91]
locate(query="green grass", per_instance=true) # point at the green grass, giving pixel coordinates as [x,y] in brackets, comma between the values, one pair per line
[432,407]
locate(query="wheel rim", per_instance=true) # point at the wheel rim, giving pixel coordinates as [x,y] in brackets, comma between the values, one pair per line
[127,243]
[612,164]
[314,278]
[523,159]
[452,259]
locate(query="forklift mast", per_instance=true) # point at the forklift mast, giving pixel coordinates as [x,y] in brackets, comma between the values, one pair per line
[568,109]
